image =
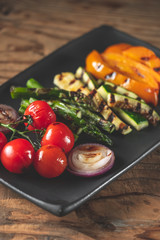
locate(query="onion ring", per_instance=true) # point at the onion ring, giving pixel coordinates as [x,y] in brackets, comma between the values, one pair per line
[90,159]
[8,115]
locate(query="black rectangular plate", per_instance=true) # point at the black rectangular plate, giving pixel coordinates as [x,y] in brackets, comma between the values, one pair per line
[67,192]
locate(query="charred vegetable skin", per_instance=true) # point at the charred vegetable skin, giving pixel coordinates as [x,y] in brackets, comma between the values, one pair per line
[68,81]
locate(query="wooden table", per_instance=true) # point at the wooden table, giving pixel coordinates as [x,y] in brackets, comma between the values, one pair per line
[129,208]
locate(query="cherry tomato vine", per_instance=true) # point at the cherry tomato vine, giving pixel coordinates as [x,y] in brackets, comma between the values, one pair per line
[49,156]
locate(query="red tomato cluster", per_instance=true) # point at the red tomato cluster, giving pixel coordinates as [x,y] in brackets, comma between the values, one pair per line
[50,160]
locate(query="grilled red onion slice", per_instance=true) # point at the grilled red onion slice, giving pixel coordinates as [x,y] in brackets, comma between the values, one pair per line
[8,115]
[90,160]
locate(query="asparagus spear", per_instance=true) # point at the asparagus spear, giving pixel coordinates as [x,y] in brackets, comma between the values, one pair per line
[67,111]
[33,83]
[52,93]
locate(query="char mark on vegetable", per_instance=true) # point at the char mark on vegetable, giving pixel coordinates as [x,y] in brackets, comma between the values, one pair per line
[138,107]
[150,112]
[111,117]
[127,80]
[138,72]
[145,58]
[79,90]
[4,114]
[103,106]
[126,101]
[138,99]
[112,98]
[82,73]
[122,127]
[99,65]
[60,77]
[72,82]
[115,87]
[112,76]
[85,85]
[157,69]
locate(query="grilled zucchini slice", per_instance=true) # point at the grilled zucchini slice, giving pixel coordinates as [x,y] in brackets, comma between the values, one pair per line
[117,100]
[87,79]
[123,91]
[134,119]
[67,81]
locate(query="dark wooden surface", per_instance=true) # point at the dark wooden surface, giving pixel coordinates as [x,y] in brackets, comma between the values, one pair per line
[129,208]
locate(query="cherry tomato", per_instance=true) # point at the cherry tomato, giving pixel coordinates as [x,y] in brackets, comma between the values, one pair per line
[60,135]
[42,115]
[3,141]
[17,155]
[50,161]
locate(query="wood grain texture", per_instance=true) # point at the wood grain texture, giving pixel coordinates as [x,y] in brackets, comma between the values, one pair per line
[129,208]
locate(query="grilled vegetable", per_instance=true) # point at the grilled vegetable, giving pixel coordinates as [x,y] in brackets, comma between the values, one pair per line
[134,119]
[132,69]
[8,115]
[32,83]
[87,79]
[117,100]
[69,80]
[92,84]
[117,48]
[90,160]
[99,69]
[143,55]
[123,91]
